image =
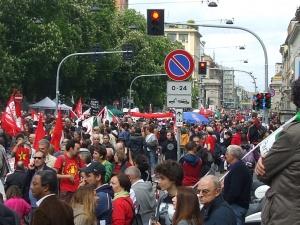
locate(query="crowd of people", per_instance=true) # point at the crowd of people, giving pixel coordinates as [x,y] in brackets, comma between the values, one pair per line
[119,171]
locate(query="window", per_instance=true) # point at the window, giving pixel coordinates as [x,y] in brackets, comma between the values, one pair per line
[171,37]
[183,38]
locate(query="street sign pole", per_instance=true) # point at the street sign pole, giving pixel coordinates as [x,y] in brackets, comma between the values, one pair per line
[179,66]
[178,143]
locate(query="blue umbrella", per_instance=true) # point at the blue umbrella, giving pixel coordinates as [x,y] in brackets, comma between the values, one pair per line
[193,117]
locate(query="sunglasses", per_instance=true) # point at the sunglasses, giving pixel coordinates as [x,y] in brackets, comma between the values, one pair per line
[37,157]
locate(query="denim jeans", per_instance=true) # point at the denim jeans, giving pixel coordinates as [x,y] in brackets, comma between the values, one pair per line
[152,160]
[240,213]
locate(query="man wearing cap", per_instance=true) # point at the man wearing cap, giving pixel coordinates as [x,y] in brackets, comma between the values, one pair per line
[95,174]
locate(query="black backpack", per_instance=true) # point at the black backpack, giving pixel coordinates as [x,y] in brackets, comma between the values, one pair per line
[137,218]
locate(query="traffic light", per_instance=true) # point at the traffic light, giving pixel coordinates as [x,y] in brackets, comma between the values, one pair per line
[202,68]
[268,100]
[259,101]
[155,22]
[130,54]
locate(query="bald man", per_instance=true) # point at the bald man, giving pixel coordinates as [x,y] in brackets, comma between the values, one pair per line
[215,210]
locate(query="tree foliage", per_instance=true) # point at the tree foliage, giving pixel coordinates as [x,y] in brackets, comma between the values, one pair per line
[36,35]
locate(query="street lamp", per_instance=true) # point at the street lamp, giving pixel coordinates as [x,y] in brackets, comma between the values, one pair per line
[137,77]
[78,54]
[230,21]
[212,4]
[242,71]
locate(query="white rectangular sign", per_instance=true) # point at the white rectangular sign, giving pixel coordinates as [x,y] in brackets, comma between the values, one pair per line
[179,101]
[179,88]
[179,117]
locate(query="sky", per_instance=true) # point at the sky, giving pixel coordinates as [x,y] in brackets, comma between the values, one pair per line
[269,19]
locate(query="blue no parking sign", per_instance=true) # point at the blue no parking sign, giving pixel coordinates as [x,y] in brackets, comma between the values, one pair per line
[179,65]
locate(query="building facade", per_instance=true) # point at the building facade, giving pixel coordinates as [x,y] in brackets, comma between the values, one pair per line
[289,51]
[122,4]
[229,93]
[276,83]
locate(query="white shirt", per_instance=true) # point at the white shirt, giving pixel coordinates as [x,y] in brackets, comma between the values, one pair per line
[42,199]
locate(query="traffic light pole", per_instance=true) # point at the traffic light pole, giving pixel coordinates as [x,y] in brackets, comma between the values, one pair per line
[238,28]
[137,77]
[78,54]
[265,112]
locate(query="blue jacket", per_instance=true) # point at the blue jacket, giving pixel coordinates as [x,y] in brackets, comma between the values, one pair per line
[104,204]
[218,212]
[237,185]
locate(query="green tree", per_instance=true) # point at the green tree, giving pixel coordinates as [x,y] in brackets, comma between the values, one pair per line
[36,35]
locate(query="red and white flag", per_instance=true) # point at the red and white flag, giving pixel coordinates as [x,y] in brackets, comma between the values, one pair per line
[11,118]
[40,132]
[57,133]
[77,111]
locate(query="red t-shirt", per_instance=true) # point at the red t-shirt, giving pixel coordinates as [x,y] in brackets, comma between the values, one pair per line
[236,139]
[22,154]
[118,168]
[211,140]
[68,166]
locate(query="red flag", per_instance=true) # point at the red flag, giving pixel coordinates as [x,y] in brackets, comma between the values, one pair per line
[206,112]
[9,125]
[39,132]
[77,113]
[57,133]
[78,109]
[34,115]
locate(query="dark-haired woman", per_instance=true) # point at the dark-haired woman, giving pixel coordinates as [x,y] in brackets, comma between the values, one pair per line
[187,210]
[123,209]
[141,162]
[191,165]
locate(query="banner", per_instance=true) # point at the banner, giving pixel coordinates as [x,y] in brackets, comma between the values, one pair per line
[151,115]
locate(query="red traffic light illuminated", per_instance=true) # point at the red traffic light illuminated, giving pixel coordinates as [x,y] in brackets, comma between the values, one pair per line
[202,68]
[267,95]
[259,96]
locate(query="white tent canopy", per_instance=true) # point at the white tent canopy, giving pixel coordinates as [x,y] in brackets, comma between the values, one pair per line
[47,103]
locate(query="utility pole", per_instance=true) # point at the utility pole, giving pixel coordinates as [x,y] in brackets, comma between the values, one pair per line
[137,77]
[79,54]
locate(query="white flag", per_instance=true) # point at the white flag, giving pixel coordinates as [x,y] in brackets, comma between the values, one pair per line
[268,142]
